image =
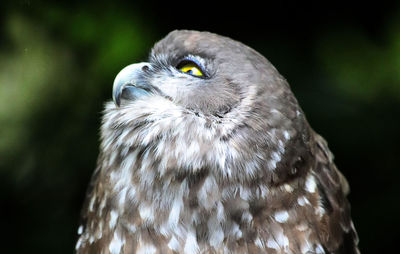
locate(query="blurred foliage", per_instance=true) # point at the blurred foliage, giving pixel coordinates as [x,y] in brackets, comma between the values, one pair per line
[58,62]
[359,66]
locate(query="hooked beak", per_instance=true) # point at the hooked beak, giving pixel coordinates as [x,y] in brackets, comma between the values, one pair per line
[129,84]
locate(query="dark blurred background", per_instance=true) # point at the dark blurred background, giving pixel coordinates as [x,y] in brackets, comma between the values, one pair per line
[58,60]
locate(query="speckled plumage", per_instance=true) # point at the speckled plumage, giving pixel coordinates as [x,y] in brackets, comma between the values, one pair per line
[224,163]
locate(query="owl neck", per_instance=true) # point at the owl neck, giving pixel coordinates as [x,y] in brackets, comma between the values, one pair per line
[207,206]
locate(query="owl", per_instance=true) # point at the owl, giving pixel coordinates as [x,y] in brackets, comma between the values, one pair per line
[205,149]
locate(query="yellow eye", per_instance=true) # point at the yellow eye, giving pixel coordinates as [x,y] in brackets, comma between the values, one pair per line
[192,69]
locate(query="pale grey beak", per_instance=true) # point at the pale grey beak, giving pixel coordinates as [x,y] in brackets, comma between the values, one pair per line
[129,83]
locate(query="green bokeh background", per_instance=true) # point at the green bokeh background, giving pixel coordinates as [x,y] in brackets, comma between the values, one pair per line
[58,61]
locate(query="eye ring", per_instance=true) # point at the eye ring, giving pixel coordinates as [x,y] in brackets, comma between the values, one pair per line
[191,66]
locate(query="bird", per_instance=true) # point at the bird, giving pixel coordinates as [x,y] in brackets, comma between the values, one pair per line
[205,149]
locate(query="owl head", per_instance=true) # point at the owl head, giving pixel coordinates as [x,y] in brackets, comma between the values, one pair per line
[207,101]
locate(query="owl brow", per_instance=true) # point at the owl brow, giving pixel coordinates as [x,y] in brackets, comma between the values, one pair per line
[196,59]
[161,62]
[160,59]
